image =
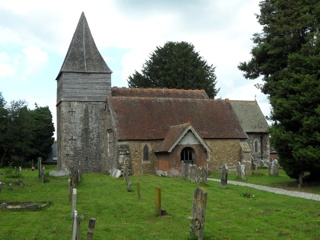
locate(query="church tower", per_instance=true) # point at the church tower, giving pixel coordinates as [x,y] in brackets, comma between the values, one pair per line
[83,83]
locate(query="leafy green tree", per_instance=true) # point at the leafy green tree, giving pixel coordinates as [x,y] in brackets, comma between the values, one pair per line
[3,129]
[176,65]
[287,55]
[42,133]
[17,135]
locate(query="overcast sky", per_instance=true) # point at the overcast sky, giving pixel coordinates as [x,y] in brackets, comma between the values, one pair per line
[35,36]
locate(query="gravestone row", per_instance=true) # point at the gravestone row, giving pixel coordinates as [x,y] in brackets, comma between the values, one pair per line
[193,173]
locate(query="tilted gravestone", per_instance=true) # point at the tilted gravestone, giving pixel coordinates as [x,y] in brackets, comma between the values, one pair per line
[198,213]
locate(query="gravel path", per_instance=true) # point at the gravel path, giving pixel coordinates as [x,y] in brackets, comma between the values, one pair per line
[311,196]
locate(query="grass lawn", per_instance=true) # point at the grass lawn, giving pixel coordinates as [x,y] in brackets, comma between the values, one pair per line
[121,215]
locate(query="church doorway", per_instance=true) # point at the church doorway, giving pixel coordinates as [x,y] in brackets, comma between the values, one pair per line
[188,155]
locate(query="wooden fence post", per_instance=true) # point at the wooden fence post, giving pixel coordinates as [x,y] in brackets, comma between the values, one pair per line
[91,226]
[139,194]
[158,201]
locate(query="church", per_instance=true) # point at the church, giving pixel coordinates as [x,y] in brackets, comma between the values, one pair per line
[100,128]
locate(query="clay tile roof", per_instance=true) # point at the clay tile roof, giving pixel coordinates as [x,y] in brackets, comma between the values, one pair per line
[250,116]
[171,137]
[83,54]
[159,92]
[150,118]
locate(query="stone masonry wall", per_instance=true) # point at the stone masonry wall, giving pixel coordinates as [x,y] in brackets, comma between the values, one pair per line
[81,136]
[138,165]
[223,151]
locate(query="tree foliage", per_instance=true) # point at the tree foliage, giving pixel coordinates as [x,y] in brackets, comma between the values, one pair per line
[287,56]
[24,133]
[176,65]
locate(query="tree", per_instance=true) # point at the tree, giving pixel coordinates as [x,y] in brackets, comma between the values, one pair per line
[24,133]
[287,55]
[42,133]
[176,65]
[3,129]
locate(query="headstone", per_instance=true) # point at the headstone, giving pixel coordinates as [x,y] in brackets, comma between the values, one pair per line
[183,170]
[224,175]
[116,173]
[274,168]
[0,186]
[189,171]
[20,169]
[91,226]
[10,186]
[248,167]
[129,186]
[204,177]
[243,171]
[198,213]
[4,205]
[198,174]
[60,173]
[42,174]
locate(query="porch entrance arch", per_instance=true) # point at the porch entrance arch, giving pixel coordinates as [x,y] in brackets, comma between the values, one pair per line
[188,155]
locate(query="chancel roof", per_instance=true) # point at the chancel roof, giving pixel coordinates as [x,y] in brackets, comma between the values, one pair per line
[83,55]
[146,118]
[250,116]
[159,92]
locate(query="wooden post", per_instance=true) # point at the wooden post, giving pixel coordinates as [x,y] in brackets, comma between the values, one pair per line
[39,166]
[198,213]
[92,223]
[158,201]
[139,194]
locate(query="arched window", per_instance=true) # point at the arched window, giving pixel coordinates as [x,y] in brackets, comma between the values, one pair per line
[187,155]
[146,153]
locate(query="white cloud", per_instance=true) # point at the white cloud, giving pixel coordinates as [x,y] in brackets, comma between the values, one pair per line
[34,60]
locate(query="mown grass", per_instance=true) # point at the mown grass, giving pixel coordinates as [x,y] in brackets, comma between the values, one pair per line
[121,215]
[262,177]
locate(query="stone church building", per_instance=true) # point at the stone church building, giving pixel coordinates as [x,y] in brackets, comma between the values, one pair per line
[100,127]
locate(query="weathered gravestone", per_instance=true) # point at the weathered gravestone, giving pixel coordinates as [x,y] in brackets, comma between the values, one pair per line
[224,175]
[241,171]
[274,168]
[198,213]
[204,176]
[183,171]
[92,223]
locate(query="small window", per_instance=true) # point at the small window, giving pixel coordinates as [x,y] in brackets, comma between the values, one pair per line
[146,153]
